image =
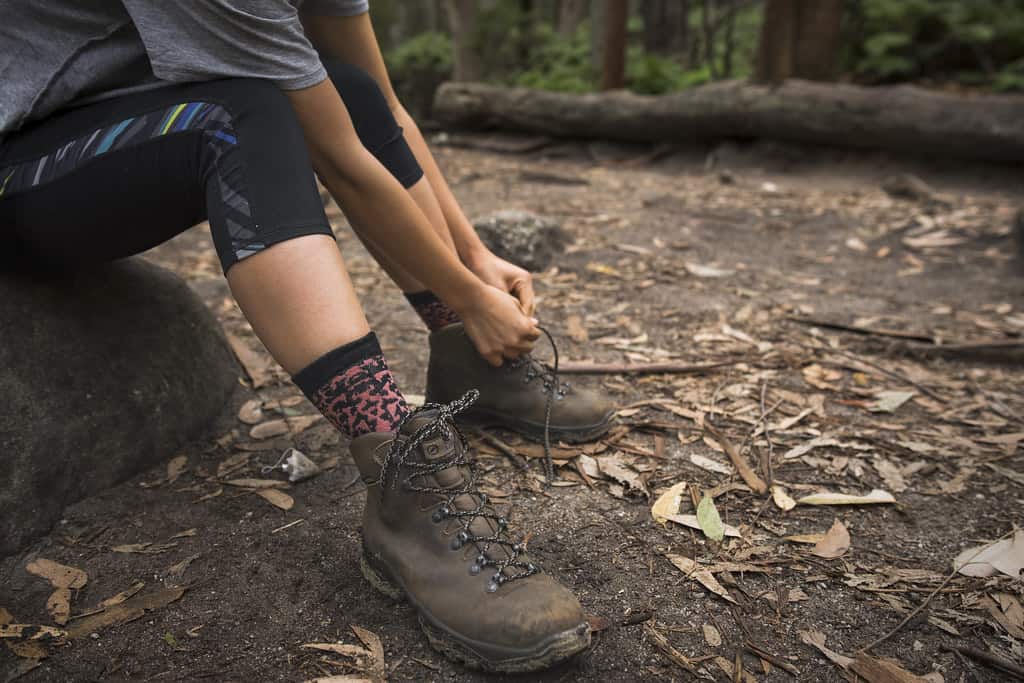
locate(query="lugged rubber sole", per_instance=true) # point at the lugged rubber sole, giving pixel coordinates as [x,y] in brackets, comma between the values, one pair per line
[556,649]
[532,431]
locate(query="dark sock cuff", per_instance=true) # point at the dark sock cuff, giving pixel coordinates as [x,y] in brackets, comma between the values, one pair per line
[332,363]
[423,298]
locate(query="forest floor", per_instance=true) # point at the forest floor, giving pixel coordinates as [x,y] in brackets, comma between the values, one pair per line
[752,257]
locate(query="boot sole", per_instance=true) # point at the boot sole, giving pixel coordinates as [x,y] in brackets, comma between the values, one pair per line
[533,431]
[554,650]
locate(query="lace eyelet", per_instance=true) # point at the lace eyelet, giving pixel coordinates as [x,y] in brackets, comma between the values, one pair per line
[439,515]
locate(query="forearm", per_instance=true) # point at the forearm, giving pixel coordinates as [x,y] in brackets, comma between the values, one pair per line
[467,242]
[411,242]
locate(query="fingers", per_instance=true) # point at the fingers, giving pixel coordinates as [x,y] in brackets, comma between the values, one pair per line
[495,358]
[523,290]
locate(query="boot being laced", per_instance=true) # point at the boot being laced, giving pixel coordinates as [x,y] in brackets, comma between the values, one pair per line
[495,549]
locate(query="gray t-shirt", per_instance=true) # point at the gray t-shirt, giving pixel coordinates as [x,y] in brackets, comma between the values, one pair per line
[54,53]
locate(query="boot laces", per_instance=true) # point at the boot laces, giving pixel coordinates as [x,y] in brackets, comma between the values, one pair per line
[553,388]
[444,426]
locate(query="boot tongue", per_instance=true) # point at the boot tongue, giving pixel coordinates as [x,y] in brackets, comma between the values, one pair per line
[436,447]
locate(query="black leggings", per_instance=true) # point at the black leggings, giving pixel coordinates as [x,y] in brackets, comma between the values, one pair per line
[118,177]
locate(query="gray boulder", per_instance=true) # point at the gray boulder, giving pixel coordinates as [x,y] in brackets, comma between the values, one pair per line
[102,375]
[522,237]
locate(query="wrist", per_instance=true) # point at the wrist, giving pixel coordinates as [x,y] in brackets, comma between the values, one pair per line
[474,254]
[463,293]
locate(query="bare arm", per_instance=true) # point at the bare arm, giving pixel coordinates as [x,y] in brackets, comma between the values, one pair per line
[368,194]
[352,40]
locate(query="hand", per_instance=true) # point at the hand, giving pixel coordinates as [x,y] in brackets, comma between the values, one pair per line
[497,326]
[505,276]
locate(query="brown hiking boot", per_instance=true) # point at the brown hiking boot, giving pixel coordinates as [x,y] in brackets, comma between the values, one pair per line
[431,538]
[515,396]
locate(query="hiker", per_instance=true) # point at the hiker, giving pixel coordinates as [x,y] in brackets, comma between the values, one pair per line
[124,122]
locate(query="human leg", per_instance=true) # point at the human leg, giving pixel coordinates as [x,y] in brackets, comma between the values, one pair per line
[115,178]
[290,281]
[514,396]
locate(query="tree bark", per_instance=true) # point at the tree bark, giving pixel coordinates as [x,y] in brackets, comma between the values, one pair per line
[613,69]
[665,26]
[570,16]
[462,21]
[895,118]
[708,37]
[598,21]
[799,39]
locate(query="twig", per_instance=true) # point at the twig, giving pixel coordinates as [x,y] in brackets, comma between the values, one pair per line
[866,331]
[288,526]
[748,475]
[917,610]
[503,448]
[891,373]
[586,368]
[989,659]
[661,642]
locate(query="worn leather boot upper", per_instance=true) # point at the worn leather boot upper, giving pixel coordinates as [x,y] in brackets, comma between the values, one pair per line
[514,396]
[427,532]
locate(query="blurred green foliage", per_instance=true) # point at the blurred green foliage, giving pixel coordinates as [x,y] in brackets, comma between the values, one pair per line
[417,67]
[974,42]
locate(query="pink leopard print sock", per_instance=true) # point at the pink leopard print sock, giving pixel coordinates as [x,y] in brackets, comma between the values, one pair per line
[354,389]
[432,311]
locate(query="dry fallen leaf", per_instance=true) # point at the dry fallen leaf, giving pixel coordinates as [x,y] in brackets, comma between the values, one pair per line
[176,467]
[711,635]
[700,575]
[256,365]
[278,499]
[613,467]
[576,329]
[288,425]
[889,401]
[782,499]
[1006,556]
[706,463]
[875,497]
[816,639]
[251,412]
[690,521]
[26,649]
[699,270]
[64,579]
[126,611]
[368,659]
[60,575]
[258,483]
[834,544]
[668,503]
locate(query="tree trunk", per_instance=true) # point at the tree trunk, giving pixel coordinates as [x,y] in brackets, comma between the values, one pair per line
[730,37]
[462,20]
[899,118]
[598,21]
[665,26]
[613,70]
[799,39]
[708,37]
[570,16]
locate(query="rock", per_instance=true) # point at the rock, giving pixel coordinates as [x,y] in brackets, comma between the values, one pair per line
[102,375]
[522,237]
[909,186]
[1018,236]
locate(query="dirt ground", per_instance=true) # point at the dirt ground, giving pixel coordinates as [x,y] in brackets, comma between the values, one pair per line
[743,256]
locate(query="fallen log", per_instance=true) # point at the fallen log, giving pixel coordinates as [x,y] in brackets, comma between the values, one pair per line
[895,118]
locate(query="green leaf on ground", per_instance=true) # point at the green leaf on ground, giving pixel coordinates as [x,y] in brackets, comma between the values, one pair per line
[709,520]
